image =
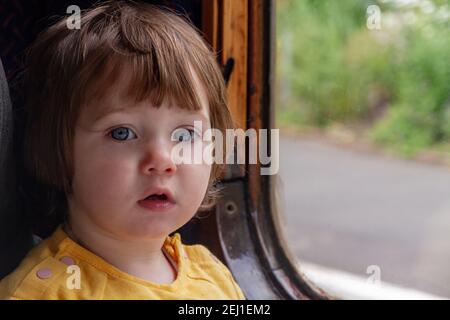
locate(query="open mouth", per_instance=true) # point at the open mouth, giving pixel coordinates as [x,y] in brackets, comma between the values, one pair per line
[158,200]
[157,197]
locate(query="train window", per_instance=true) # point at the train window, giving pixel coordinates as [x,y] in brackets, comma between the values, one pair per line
[243,229]
[362,103]
[348,101]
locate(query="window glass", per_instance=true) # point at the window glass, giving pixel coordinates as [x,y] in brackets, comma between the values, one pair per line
[363,107]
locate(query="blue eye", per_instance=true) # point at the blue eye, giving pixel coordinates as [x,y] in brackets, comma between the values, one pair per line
[122,133]
[184,135]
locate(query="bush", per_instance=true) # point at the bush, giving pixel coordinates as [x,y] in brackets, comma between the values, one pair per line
[332,68]
[419,116]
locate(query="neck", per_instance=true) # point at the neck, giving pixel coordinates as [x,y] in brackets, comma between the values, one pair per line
[143,259]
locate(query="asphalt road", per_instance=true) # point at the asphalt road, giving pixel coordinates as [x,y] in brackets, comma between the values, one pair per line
[349,210]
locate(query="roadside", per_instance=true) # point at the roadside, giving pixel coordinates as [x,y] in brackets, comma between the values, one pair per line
[349,210]
[356,138]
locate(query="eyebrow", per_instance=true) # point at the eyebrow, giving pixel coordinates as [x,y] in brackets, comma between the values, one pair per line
[108,112]
[129,110]
[203,116]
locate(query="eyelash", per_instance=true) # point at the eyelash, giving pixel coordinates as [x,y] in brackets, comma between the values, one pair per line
[194,135]
[192,132]
[110,133]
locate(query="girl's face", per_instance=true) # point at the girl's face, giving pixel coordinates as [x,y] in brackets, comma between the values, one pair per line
[124,156]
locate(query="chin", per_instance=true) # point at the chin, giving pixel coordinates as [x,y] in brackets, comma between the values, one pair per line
[147,233]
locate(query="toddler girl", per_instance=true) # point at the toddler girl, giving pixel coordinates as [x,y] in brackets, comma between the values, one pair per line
[107,103]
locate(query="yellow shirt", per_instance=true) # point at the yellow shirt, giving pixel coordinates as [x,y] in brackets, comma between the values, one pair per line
[58,266]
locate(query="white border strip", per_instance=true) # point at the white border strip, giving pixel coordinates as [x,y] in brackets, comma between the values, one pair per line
[348,286]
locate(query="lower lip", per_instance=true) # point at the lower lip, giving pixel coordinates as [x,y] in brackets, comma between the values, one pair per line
[156,205]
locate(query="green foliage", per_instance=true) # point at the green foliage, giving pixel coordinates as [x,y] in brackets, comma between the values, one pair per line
[332,68]
[420,116]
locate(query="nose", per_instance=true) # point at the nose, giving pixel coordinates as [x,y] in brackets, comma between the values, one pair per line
[158,160]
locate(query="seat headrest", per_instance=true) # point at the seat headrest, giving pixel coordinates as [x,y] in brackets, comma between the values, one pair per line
[5,122]
[15,238]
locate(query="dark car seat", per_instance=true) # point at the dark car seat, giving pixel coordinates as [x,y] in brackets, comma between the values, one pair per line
[15,239]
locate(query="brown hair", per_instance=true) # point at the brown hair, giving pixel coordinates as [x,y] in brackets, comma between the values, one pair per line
[65,64]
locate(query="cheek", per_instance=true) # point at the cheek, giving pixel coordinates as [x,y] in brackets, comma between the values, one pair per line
[100,179]
[195,181]
[103,177]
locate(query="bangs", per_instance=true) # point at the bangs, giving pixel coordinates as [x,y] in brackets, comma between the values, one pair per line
[141,78]
[162,63]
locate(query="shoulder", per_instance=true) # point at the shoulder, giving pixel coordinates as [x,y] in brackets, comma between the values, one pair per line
[47,273]
[34,280]
[196,253]
[203,264]
[31,278]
